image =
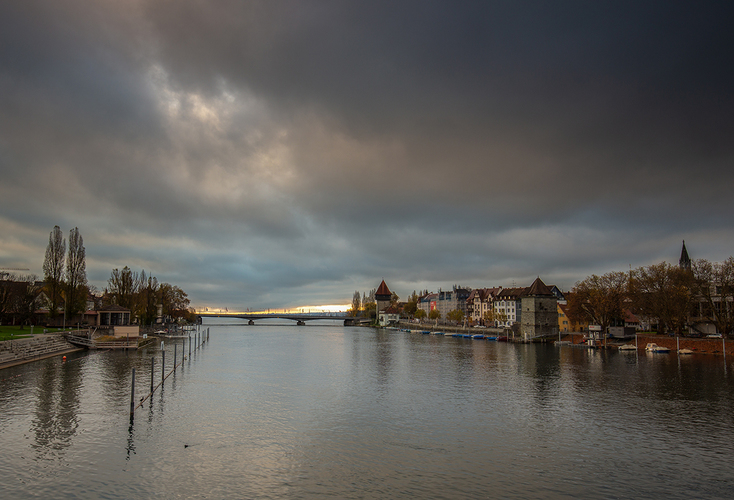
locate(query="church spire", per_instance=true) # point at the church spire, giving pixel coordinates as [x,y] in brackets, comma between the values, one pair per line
[685,260]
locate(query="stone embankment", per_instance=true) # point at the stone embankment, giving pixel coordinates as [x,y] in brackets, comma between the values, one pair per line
[16,352]
[451,328]
[703,346]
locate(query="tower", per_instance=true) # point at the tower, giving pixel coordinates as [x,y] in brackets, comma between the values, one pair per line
[685,260]
[382,297]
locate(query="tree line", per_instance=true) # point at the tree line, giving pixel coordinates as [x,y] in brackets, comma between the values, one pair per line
[67,290]
[668,298]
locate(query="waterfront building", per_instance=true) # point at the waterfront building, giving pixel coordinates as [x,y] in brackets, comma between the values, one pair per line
[450,300]
[507,306]
[428,302]
[116,320]
[389,316]
[574,324]
[564,324]
[539,308]
[479,302]
[383,296]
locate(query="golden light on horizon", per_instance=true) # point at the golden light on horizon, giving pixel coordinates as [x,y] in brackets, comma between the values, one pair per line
[286,310]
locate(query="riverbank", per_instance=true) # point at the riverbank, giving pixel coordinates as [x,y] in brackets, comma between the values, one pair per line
[34,348]
[700,346]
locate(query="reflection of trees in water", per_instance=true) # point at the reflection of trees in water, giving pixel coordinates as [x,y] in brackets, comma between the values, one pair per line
[56,418]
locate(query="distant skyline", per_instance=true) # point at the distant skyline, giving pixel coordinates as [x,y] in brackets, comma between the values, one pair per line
[271,154]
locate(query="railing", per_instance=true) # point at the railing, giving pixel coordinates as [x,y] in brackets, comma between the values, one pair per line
[76,340]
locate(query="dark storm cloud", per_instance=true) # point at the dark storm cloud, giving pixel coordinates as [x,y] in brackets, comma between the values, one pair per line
[271,153]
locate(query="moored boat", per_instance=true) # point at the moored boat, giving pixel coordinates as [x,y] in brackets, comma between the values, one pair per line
[652,347]
[627,347]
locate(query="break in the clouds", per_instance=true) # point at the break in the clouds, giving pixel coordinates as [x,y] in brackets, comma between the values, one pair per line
[286,153]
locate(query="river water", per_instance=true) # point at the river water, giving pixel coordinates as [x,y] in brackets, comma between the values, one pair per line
[325,411]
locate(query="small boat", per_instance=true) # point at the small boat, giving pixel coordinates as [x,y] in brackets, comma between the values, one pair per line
[627,347]
[502,339]
[491,338]
[438,333]
[652,347]
[562,342]
[478,336]
[685,351]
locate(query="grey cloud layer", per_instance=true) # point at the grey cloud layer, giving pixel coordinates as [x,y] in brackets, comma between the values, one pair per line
[284,153]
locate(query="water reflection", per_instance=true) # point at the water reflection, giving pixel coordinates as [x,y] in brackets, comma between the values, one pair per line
[354,412]
[57,402]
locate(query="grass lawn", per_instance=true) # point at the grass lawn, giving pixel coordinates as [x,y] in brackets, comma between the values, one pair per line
[15,332]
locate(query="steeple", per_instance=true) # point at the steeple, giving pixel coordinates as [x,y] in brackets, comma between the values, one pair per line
[685,260]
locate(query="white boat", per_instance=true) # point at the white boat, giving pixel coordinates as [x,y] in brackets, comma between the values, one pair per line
[652,347]
[627,347]
[685,351]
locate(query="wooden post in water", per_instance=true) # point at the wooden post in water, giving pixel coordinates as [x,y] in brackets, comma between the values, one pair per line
[677,342]
[132,396]
[207,334]
[152,374]
[174,356]
[189,345]
[163,367]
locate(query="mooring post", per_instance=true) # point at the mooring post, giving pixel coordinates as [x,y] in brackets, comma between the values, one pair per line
[189,345]
[163,367]
[174,356]
[132,396]
[207,334]
[152,374]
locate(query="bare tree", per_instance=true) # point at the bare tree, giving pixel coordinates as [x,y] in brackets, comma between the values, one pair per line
[123,287]
[356,303]
[149,298]
[53,268]
[76,274]
[714,289]
[663,291]
[26,298]
[599,299]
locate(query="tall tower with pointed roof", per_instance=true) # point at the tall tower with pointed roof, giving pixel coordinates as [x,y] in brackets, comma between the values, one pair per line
[539,311]
[382,297]
[685,260]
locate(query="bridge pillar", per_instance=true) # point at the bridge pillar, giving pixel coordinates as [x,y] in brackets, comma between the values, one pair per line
[251,322]
[300,323]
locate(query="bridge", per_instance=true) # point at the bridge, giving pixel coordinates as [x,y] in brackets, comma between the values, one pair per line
[299,318]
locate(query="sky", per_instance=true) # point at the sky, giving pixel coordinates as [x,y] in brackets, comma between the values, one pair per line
[280,154]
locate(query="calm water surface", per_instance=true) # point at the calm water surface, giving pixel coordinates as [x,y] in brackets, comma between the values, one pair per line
[326,411]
